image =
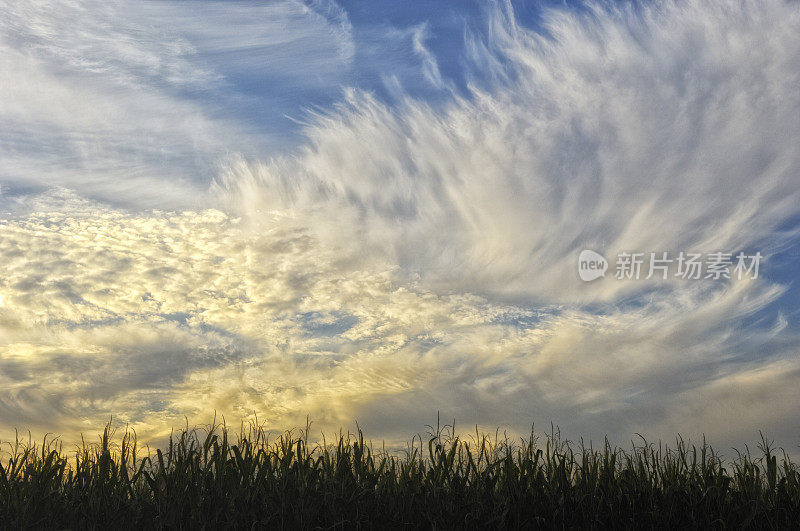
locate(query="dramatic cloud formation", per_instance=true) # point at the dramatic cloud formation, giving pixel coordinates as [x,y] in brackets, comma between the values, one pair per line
[411,257]
[663,130]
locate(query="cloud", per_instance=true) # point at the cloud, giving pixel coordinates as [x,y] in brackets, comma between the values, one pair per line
[417,258]
[150,317]
[655,130]
[135,103]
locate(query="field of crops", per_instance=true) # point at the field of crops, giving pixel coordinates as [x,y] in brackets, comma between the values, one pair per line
[242,479]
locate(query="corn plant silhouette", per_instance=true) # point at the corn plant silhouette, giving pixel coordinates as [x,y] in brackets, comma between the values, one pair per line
[215,477]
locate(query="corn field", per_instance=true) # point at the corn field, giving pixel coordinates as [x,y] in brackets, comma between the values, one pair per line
[216,478]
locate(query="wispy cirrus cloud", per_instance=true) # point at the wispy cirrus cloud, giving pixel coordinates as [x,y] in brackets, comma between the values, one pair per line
[409,257]
[654,130]
[140,104]
[135,103]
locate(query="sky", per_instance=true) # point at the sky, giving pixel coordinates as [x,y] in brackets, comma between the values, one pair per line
[372,212]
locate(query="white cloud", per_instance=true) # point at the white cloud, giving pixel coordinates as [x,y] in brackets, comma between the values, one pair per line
[152,317]
[659,131]
[412,259]
[135,102]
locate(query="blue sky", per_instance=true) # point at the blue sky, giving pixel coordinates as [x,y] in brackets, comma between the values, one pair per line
[373,211]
